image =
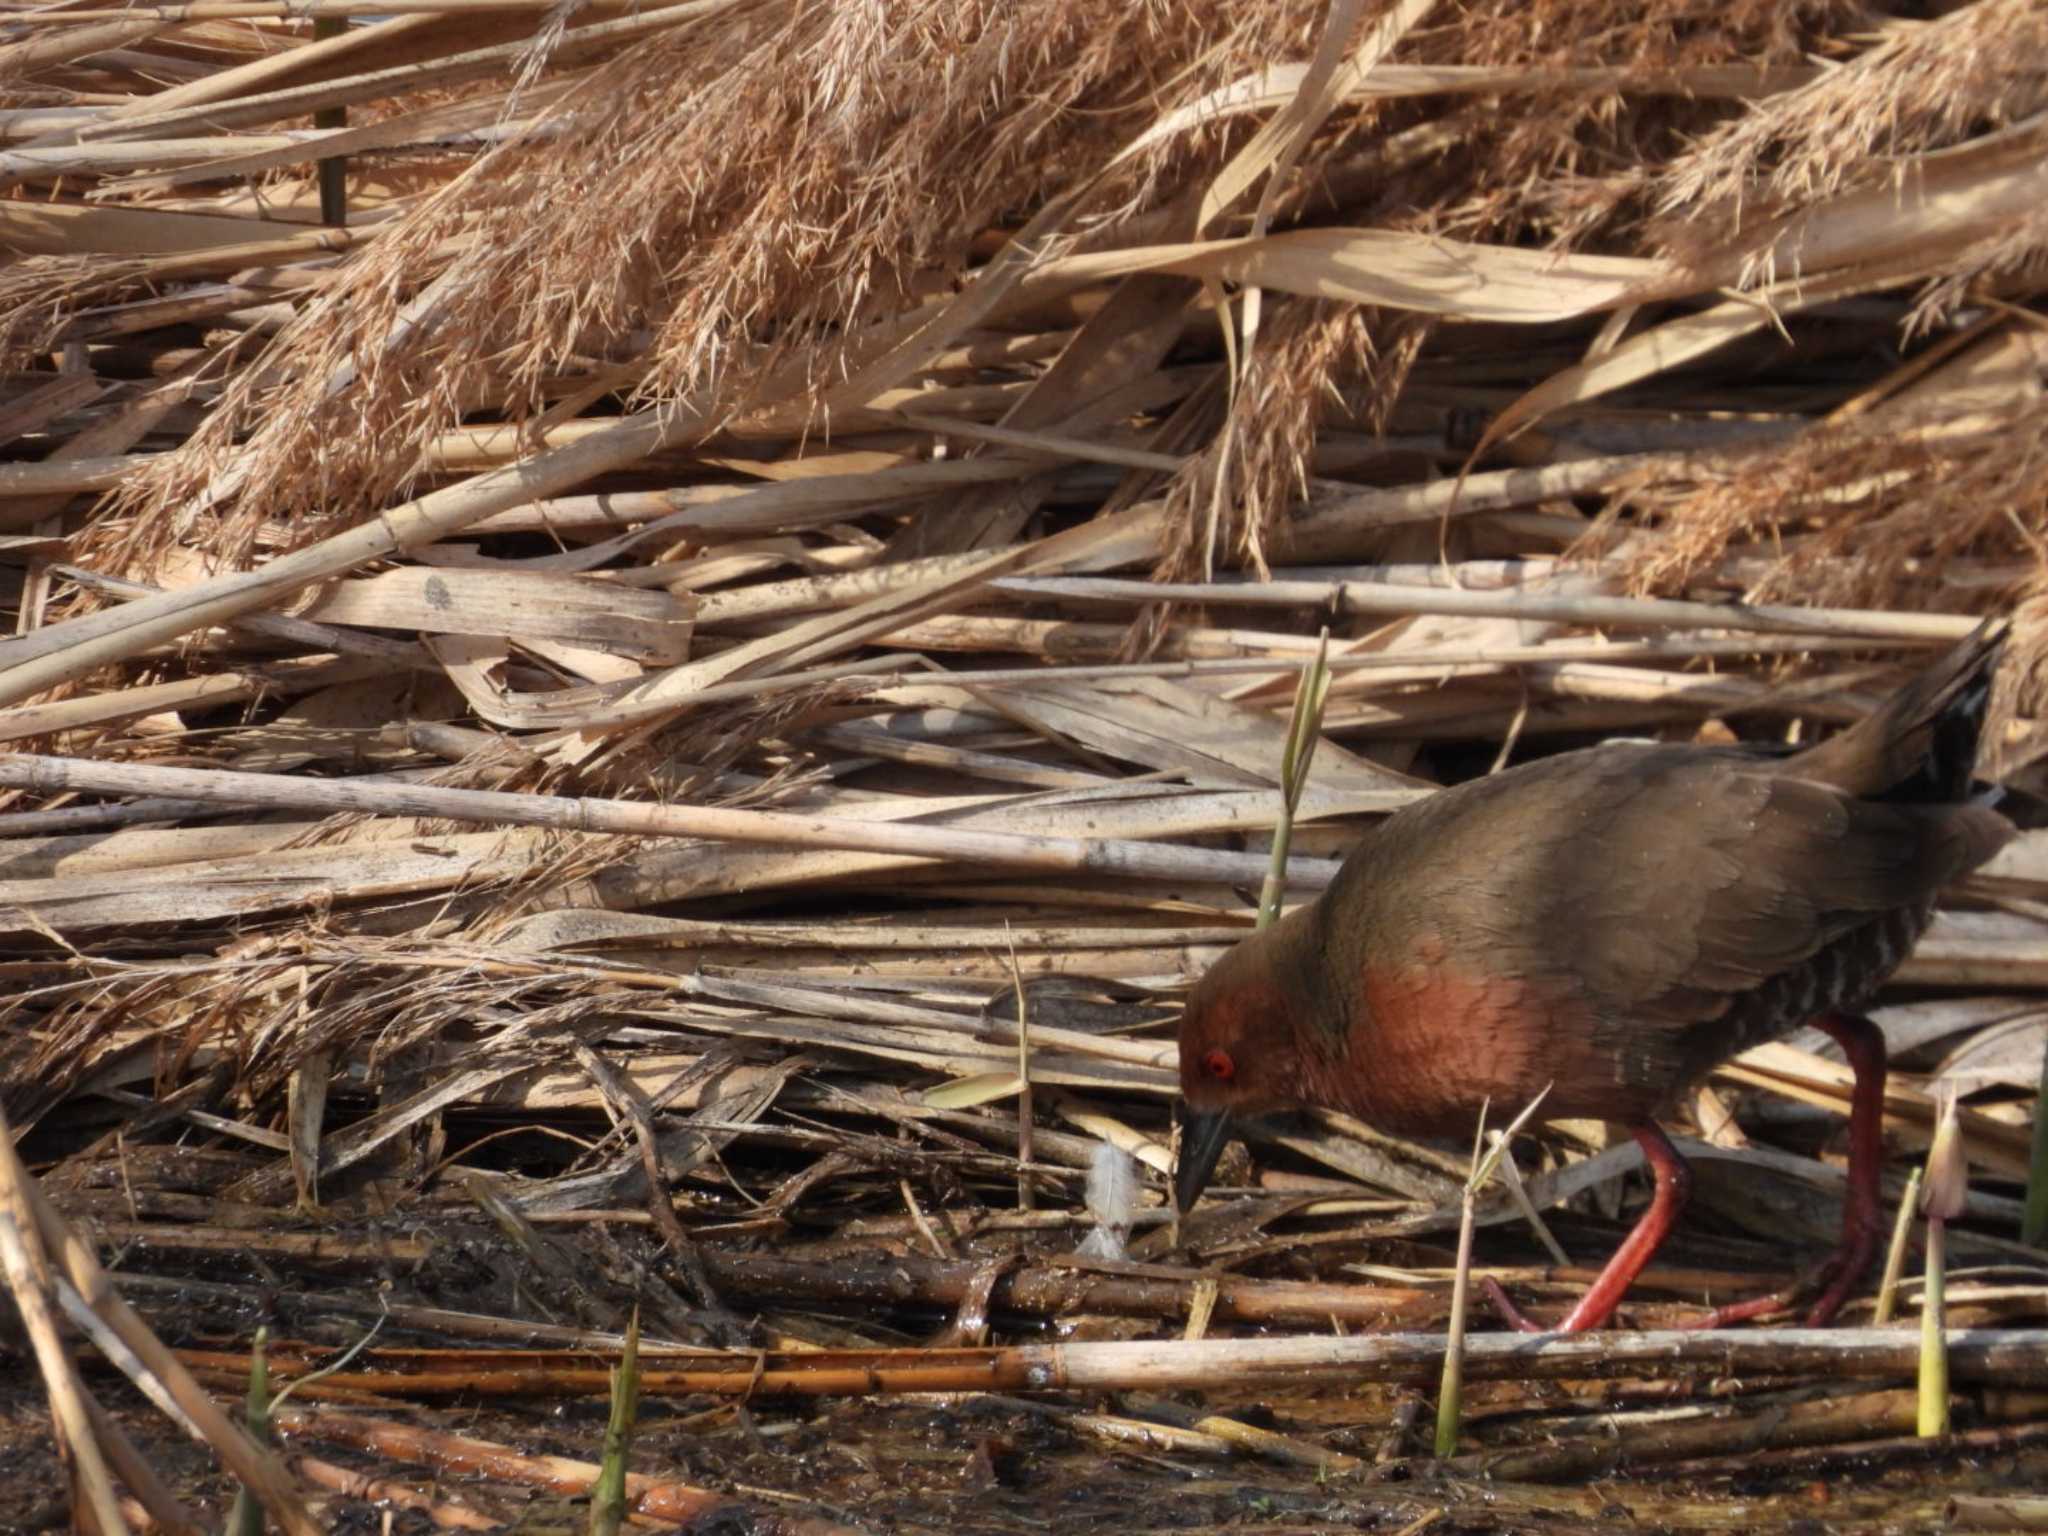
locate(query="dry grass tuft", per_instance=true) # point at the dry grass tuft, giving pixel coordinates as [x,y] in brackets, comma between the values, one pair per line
[758,191]
[1227,503]
[1924,86]
[1870,511]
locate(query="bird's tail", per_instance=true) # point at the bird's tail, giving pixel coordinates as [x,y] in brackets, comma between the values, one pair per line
[1919,747]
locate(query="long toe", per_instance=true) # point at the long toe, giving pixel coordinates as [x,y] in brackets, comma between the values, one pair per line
[1835,1277]
[1510,1313]
[1840,1276]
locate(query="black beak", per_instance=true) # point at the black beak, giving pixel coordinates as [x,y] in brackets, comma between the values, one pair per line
[1203,1135]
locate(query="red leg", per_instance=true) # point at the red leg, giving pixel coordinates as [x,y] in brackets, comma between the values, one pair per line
[1863,1206]
[1673,1184]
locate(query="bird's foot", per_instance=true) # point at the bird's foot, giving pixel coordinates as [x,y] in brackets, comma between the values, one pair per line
[1673,1180]
[1834,1278]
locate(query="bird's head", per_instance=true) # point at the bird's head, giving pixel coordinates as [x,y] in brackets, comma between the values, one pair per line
[1237,1054]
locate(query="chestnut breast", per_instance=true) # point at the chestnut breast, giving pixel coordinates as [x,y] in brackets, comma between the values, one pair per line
[1440,1038]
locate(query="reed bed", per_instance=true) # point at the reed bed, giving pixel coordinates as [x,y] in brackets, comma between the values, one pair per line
[651,639]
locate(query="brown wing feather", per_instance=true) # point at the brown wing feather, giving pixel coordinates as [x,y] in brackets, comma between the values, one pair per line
[1655,891]
[1809,868]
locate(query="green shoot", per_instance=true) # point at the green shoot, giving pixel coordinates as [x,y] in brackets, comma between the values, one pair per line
[1304,730]
[2034,1221]
[1942,1197]
[245,1516]
[608,1494]
[1485,1160]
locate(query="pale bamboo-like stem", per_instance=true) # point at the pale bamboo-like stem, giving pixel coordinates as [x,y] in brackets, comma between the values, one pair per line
[280,680]
[45,50]
[2009,1358]
[19,165]
[1361,597]
[1105,856]
[68,477]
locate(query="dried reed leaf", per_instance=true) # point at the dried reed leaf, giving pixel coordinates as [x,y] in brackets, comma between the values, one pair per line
[649,626]
[1421,273]
[61,228]
[972,1092]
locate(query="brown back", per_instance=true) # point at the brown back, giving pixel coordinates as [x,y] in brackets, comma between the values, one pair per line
[1675,903]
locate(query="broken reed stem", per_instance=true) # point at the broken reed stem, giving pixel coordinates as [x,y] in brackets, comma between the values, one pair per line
[654,1499]
[1656,1437]
[1895,1256]
[1242,1438]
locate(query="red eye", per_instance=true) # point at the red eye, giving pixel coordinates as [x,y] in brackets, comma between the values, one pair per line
[1219,1066]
